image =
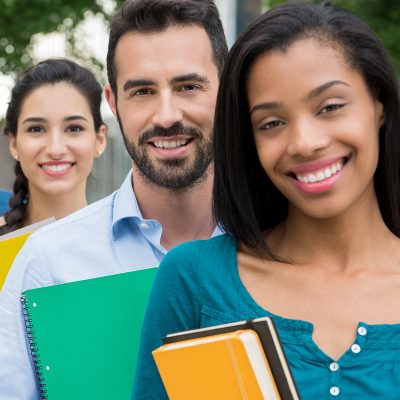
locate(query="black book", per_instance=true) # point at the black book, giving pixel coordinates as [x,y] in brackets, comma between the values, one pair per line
[266,330]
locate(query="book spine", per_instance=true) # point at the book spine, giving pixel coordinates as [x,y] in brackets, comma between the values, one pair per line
[30,332]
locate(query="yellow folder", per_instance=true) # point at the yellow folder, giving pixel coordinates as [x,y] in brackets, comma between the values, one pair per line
[11,243]
[224,366]
[9,249]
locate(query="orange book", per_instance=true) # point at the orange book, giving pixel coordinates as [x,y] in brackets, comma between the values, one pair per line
[223,366]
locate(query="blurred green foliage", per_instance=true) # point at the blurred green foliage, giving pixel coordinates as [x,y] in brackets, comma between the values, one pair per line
[383,16]
[21,19]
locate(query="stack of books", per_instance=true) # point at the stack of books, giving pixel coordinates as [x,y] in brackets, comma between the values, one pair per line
[238,361]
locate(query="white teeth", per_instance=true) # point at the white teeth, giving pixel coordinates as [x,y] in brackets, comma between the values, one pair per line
[328,173]
[321,175]
[56,168]
[312,178]
[171,144]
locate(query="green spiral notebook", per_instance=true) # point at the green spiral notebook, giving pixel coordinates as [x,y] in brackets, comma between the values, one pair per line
[84,336]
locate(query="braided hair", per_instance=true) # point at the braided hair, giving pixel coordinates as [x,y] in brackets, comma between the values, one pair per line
[49,71]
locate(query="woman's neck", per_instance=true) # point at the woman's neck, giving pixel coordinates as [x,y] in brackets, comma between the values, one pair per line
[341,241]
[42,206]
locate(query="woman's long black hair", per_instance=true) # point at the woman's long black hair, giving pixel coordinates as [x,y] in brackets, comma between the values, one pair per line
[244,199]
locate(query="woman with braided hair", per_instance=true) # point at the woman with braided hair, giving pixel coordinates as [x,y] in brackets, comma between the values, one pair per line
[55,131]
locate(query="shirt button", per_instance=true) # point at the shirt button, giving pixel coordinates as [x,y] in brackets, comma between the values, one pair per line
[334,391]
[334,366]
[362,330]
[355,348]
[144,225]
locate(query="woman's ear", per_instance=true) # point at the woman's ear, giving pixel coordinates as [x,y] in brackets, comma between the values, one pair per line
[12,146]
[380,113]
[383,119]
[101,140]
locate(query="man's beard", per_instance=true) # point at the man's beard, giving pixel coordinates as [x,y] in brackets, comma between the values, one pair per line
[171,173]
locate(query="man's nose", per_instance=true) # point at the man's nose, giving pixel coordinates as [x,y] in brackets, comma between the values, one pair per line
[168,111]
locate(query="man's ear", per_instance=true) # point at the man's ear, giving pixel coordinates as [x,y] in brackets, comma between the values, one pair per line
[111,98]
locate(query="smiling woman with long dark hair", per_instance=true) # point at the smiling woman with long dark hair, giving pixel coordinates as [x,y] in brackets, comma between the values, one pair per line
[55,131]
[307,163]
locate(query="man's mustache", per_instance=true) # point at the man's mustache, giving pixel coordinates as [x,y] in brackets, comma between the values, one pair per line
[174,130]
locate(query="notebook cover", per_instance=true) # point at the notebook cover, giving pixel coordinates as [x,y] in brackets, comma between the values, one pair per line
[27,229]
[11,243]
[8,251]
[85,335]
[213,368]
[269,338]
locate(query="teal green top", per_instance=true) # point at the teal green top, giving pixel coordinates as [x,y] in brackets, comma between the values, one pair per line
[198,285]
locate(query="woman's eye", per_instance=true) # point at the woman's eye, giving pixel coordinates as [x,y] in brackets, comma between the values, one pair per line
[272,124]
[331,107]
[75,129]
[35,129]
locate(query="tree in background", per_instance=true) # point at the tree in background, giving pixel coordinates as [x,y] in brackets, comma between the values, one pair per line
[382,16]
[20,20]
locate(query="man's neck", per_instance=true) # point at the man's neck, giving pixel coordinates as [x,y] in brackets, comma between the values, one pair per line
[184,215]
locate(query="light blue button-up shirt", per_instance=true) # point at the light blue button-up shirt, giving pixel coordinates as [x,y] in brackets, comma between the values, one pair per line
[107,237]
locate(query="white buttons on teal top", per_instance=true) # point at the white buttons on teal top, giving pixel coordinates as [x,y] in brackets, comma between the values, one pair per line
[144,225]
[334,366]
[355,348]
[362,330]
[334,391]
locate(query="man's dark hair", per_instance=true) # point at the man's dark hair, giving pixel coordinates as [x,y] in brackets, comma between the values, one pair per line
[149,16]
[246,202]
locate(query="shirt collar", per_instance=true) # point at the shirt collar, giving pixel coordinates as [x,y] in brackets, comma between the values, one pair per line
[125,205]
[218,231]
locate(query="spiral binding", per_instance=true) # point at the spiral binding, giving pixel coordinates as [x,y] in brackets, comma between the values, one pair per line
[33,347]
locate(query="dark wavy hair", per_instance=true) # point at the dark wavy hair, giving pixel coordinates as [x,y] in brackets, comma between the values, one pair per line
[245,200]
[47,72]
[157,15]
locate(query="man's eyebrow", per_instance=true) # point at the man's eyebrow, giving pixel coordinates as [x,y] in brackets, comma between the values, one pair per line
[194,77]
[133,83]
[320,89]
[265,106]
